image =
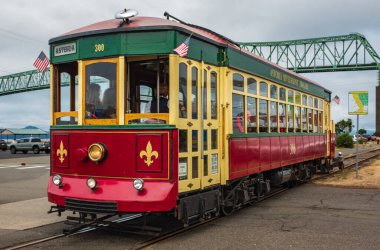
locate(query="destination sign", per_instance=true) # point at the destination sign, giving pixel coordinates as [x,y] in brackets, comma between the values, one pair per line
[65,49]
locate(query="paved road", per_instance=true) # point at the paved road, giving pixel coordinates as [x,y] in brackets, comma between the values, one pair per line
[23,178]
[7,155]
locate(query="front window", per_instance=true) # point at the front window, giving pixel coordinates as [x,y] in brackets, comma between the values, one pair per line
[100,98]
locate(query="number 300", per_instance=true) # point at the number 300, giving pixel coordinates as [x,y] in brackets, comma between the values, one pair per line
[99,47]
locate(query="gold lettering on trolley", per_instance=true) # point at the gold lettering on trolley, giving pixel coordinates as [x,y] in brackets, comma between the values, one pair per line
[148,153]
[288,79]
[276,74]
[292,149]
[61,152]
[304,85]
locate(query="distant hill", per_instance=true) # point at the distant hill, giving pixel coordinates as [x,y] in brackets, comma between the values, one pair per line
[30,127]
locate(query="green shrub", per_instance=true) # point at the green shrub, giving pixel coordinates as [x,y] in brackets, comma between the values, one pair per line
[344,141]
[361,141]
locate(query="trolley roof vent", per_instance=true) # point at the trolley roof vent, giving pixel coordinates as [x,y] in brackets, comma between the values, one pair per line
[125,15]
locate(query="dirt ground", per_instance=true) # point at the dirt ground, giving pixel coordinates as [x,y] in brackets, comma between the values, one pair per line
[369,177]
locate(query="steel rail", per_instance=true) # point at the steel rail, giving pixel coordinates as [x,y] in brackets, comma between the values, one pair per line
[172,234]
[82,229]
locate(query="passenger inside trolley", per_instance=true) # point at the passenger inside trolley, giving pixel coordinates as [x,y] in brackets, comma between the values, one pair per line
[145,78]
[163,100]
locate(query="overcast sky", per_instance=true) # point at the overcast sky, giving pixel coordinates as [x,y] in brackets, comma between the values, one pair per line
[26,27]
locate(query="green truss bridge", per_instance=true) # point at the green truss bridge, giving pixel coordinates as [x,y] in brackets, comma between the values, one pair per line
[25,81]
[326,54]
[350,52]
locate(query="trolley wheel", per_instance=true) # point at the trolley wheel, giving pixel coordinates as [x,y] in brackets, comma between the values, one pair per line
[229,205]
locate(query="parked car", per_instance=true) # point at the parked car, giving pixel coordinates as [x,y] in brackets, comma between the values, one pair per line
[29,144]
[368,137]
[375,138]
[3,145]
[47,147]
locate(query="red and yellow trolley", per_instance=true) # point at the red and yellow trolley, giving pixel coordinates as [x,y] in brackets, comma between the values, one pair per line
[140,129]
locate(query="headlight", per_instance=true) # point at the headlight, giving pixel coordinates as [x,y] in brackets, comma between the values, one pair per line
[138,184]
[57,180]
[96,152]
[91,183]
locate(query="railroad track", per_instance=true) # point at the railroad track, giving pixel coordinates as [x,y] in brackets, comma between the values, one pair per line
[79,230]
[349,162]
[169,235]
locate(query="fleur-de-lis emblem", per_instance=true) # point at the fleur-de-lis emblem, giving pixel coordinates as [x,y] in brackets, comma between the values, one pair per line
[61,152]
[292,149]
[148,153]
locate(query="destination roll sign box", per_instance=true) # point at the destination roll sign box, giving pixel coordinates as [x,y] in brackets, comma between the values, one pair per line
[65,49]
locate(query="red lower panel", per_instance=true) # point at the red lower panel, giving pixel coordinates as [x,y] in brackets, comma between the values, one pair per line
[258,154]
[275,152]
[265,157]
[299,154]
[155,197]
[239,161]
[253,150]
[285,156]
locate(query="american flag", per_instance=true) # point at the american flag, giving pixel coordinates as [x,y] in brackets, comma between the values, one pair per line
[182,49]
[41,62]
[336,99]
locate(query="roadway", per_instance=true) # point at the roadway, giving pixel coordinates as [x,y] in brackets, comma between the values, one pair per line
[23,176]
[6,155]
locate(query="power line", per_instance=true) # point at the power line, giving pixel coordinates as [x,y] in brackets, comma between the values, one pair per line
[22,36]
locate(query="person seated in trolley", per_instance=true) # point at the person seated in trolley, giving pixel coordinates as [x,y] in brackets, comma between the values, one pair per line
[109,103]
[163,100]
[93,103]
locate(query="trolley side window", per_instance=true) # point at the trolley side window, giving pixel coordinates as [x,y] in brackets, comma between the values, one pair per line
[252,86]
[65,94]
[290,115]
[263,116]
[238,118]
[273,117]
[282,116]
[251,115]
[214,96]
[238,82]
[148,89]
[182,94]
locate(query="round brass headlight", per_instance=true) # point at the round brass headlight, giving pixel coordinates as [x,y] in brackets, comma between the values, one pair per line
[96,152]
